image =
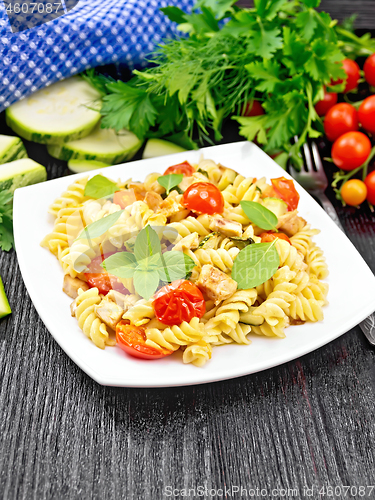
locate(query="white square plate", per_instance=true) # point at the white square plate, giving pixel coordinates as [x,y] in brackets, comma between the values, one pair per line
[351,295]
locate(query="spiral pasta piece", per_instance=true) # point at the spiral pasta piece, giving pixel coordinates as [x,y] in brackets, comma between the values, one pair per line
[188,226]
[67,226]
[306,309]
[88,321]
[198,354]
[175,336]
[241,189]
[272,331]
[289,256]
[80,255]
[302,240]
[141,313]
[72,197]
[222,259]
[317,262]
[212,169]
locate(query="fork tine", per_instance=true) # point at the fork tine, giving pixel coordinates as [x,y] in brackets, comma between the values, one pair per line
[308,158]
[317,158]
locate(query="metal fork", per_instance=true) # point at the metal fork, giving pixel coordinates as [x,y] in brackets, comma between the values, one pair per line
[314,180]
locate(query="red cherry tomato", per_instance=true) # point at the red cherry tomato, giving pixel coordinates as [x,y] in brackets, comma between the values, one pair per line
[322,107]
[341,118]
[351,150]
[353,74]
[271,235]
[203,197]
[100,279]
[180,301]
[182,168]
[132,339]
[369,70]
[370,184]
[253,108]
[124,198]
[284,189]
[366,114]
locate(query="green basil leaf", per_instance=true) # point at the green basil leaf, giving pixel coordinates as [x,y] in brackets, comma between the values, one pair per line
[100,226]
[176,265]
[150,263]
[170,181]
[121,264]
[146,244]
[259,215]
[146,282]
[100,187]
[255,264]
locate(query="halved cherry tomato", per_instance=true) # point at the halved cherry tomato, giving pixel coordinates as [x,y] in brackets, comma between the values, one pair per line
[366,114]
[369,70]
[124,198]
[271,235]
[354,192]
[351,150]
[100,279]
[253,108]
[182,168]
[370,184]
[132,339]
[284,189]
[341,118]
[203,197]
[322,107]
[180,301]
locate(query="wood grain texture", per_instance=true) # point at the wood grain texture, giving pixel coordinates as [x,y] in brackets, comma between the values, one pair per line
[309,422]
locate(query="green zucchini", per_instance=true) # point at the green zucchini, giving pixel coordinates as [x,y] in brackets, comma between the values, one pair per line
[21,173]
[56,114]
[102,144]
[4,304]
[160,147]
[251,319]
[11,149]
[82,166]
[277,206]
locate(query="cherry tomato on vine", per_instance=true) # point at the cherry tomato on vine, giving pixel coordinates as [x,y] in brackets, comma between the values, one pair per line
[203,197]
[180,301]
[370,184]
[369,70]
[284,189]
[124,198]
[341,118]
[351,150]
[366,114]
[272,235]
[132,340]
[322,107]
[182,168]
[253,108]
[354,192]
[100,279]
[352,70]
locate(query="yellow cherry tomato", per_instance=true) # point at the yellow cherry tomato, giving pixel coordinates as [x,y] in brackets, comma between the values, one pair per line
[354,192]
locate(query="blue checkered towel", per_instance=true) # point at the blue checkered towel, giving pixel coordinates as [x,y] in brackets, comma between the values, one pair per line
[93,33]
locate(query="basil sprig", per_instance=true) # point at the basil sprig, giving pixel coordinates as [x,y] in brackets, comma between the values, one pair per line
[259,215]
[170,181]
[148,265]
[255,264]
[100,187]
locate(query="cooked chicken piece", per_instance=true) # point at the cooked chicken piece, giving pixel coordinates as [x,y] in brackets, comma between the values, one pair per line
[71,286]
[109,312]
[170,206]
[122,300]
[290,223]
[153,200]
[189,242]
[215,284]
[139,190]
[224,226]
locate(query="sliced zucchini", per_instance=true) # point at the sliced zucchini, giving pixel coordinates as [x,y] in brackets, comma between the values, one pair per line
[21,173]
[103,144]
[277,206]
[11,149]
[56,114]
[227,178]
[4,304]
[160,147]
[251,319]
[209,241]
[82,166]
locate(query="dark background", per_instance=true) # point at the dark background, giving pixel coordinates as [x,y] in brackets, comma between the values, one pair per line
[308,423]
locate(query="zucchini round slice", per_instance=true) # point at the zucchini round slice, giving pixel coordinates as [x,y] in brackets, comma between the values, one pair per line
[83,166]
[160,147]
[102,144]
[56,114]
